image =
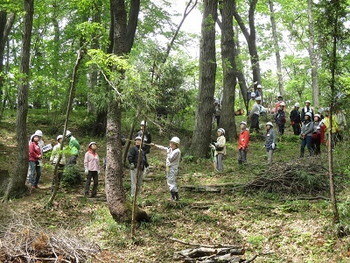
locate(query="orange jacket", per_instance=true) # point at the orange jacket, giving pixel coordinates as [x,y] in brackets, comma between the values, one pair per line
[243,139]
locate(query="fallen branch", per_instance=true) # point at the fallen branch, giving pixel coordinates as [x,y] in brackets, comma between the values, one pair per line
[204,246]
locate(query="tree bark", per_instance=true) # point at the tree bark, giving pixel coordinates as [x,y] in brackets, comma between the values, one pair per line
[227,120]
[277,48]
[6,23]
[118,207]
[207,72]
[312,55]
[17,182]
[250,36]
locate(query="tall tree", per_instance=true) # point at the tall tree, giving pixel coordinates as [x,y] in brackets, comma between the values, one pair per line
[277,48]
[207,72]
[227,120]
[6,23]
[121,37]
[313,57]
[250,36]
[17,186]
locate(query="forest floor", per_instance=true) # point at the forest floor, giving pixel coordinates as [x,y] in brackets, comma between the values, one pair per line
[269,223]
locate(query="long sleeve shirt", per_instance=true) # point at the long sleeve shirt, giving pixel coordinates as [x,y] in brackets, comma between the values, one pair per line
[74,146]
[243,139]
[133,157]
[91,161]
[295,116]
[307,128]
[34,152]
[55,154]
[173,156]
[220,145]
[270,138]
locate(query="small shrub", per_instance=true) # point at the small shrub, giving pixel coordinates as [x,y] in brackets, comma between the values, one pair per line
[71,176]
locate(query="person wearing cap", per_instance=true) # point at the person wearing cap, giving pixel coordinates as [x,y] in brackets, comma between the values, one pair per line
[251,101]
[305,109]
[307,129]
[295,119]
[316,135]
[147,139]
[258,91]
[220,150]
[35,156]
[280,118]
[243,142]
[54,158]
[92,169]
[255,113]
[133,156]
[41,145]
[172,165]
[74,148]
[278,103]
[270,141]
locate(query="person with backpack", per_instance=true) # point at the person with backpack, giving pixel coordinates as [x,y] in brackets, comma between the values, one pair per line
[92,169]
[243,142]
[280,118]
[270,141]
[172,165]
[295,119]
[133,159]
[307,129]
[305,109]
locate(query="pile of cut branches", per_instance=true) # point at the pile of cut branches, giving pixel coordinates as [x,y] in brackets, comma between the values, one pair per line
[291,178]
[22,241]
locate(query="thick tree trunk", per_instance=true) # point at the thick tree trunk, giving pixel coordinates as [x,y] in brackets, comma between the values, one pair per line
[250,37]
[277,48]
[227,120]
[207,72]
[17,182]
[313,58]
[118,207]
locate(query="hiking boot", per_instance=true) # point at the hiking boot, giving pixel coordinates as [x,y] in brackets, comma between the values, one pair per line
[173,197]
[176,196]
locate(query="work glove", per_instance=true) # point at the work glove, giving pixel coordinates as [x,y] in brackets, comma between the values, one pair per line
[132,166]
[86,172]
[273,146]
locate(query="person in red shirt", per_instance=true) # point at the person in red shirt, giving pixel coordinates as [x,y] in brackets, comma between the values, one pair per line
[34,157]
[243,142]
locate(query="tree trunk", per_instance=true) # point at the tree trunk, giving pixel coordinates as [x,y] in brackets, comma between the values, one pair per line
[17,182]
[313,58]
[207,72]
[118,207]
[250,37]
[6,23]
[227,120]
[277,48]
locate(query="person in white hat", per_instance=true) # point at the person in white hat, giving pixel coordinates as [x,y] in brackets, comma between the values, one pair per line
[305,109]
[306,134]
[258,91]
[35,155]
[219,148]
[243,143]
[147,140]
[92,169]
[280,118]
[172,165]
[74,148]
[295,119]
[270,141]
[41,145]
[54,158]
[255,113]
[133,156]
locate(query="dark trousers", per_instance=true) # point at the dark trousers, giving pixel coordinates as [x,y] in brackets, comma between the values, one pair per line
[254,124]
[242,156]
[35,173]
[72,160]
[91,175]
[281,128]
[307,141]
[296,129]
[316,145]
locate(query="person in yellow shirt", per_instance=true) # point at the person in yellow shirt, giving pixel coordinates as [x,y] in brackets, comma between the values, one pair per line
[327,122]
